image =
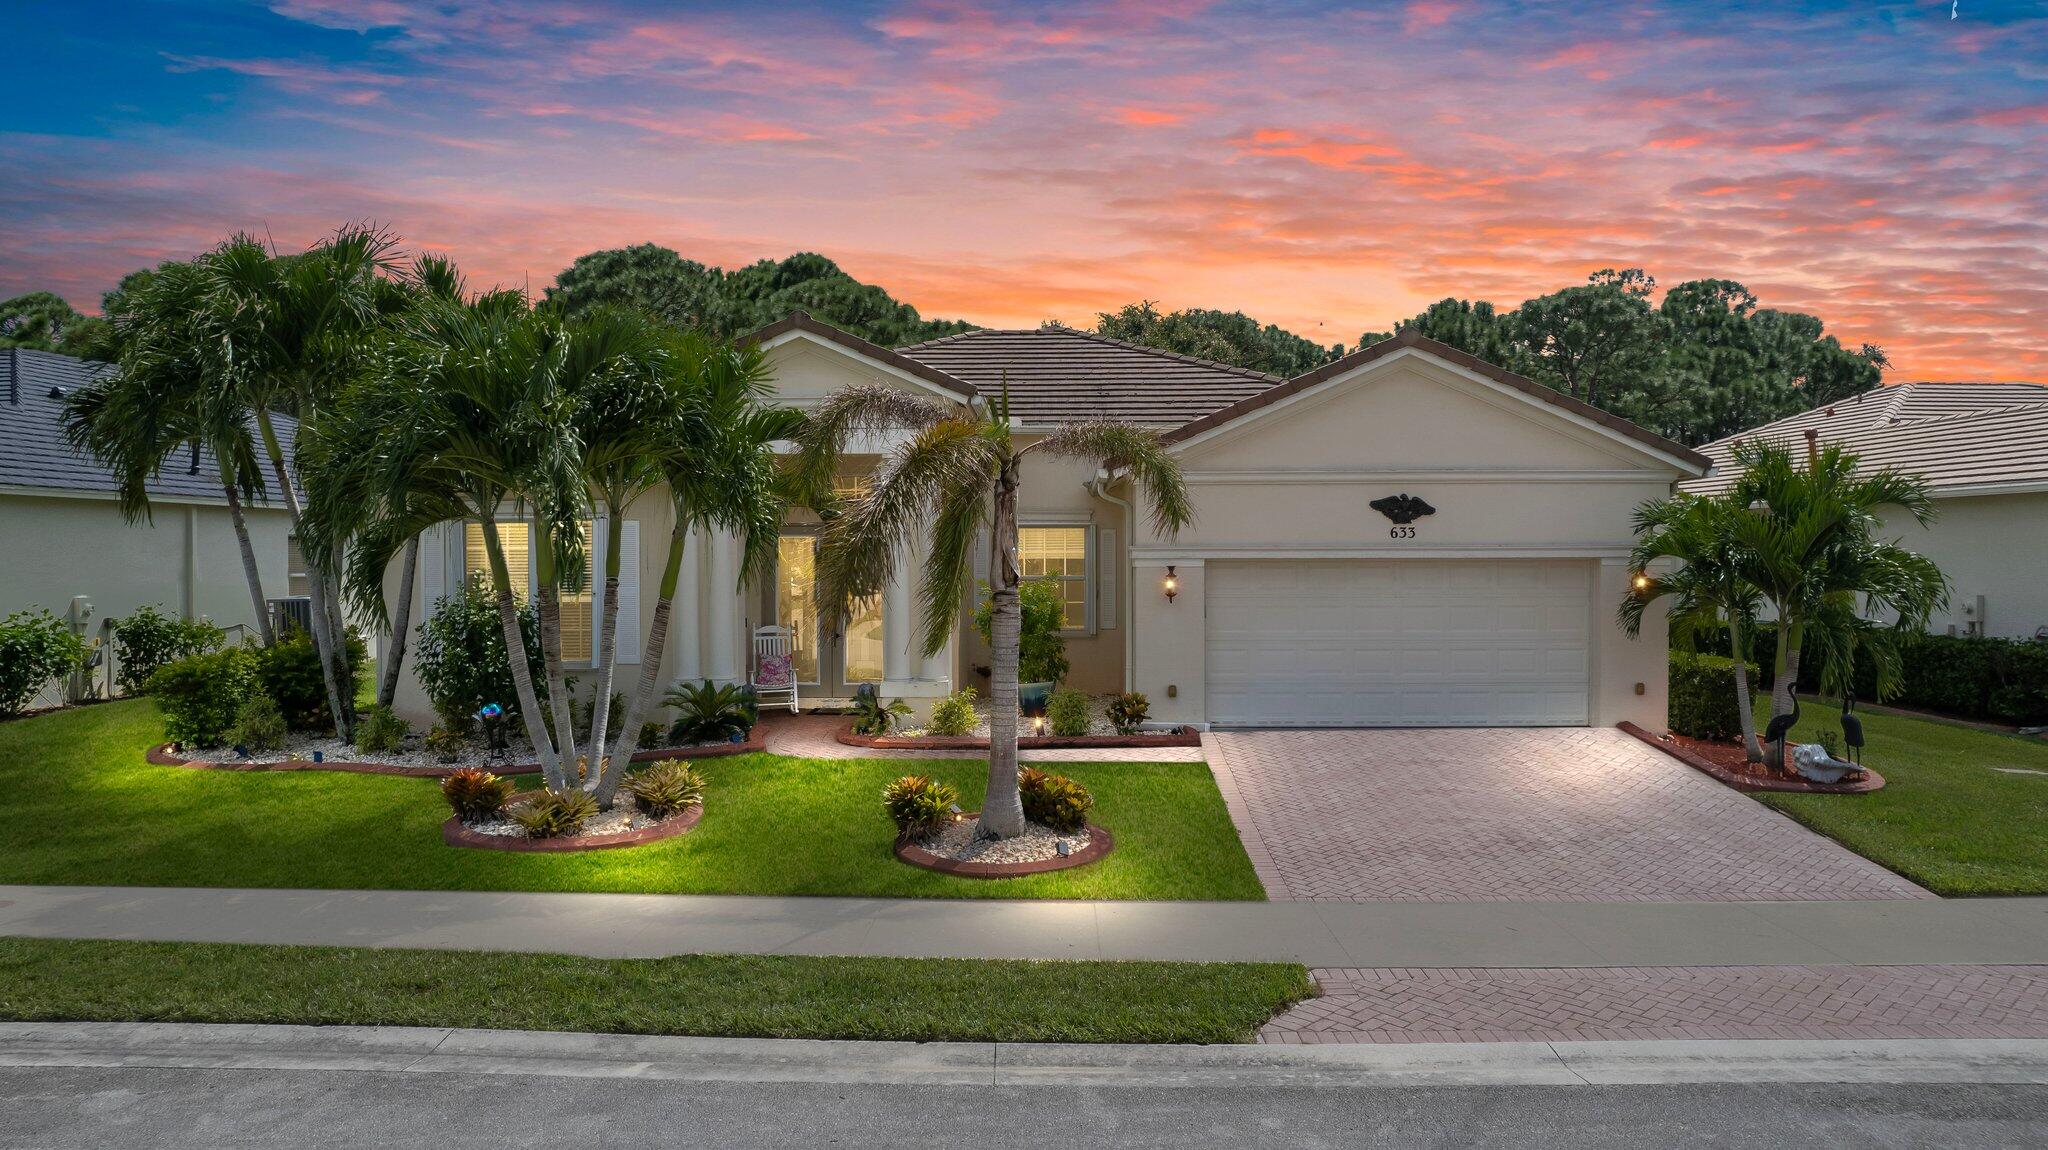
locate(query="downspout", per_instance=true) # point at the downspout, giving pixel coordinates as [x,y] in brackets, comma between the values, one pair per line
[1100,489]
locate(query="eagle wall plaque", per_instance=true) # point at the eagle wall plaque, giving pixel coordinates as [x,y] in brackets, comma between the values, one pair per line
[1403,509]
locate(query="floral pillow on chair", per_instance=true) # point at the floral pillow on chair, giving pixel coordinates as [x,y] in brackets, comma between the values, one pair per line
[775,671]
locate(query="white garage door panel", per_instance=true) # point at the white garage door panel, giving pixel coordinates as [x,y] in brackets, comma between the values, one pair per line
[1398,642]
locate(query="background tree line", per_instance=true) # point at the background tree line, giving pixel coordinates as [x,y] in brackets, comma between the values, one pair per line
[1704,362]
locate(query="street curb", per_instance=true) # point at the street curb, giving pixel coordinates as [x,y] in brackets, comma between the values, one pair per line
[410,1050]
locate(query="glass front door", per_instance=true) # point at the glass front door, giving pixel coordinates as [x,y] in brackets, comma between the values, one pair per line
[796,601]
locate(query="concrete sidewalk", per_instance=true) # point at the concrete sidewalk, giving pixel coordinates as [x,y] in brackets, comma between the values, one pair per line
[532,1054]
[1321,934]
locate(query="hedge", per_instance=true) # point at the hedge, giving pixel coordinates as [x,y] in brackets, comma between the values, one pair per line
[2000,680]
[1703,696]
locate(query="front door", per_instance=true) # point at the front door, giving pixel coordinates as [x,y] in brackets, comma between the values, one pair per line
[830,661]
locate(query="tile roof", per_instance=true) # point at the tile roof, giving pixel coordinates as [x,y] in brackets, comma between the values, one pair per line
[1057,374]
[1958,435]
[33,453]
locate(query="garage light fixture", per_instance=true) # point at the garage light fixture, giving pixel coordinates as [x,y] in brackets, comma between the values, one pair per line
[1172,583]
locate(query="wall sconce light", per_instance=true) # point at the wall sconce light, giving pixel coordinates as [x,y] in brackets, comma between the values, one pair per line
[1172,583]
[1641,581]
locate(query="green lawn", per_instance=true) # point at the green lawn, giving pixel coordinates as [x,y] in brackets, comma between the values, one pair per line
[1945,818]
[86,809]
[782,996]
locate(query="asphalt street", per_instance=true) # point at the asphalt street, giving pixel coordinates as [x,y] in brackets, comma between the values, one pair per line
[116,1107]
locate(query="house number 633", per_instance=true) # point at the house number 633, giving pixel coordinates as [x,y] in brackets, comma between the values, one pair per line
[1405,531]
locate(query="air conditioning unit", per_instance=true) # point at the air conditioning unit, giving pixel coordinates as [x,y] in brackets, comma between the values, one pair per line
[1970,611]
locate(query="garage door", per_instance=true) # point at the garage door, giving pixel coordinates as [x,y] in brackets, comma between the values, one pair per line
[1398,642]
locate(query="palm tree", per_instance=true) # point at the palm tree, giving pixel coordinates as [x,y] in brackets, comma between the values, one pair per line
[461,415]
[715,452]
[161,400]
[1808,543]
[1707,593]
[285,333]
[959,472]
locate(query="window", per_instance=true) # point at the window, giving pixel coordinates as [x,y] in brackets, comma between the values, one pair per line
[517,540]
[863,645]
[1059,553]
[579,608]
[796,601]
[296,582]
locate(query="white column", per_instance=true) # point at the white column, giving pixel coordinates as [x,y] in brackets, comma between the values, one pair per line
[898,662]
[723,621]
[686,639]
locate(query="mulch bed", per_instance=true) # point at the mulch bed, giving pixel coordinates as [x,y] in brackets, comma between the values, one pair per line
[164,755]
[1182,737]
[1099,844]
[456,834]
[1729,763]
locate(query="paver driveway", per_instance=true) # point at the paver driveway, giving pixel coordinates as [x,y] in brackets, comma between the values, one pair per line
[1548,814]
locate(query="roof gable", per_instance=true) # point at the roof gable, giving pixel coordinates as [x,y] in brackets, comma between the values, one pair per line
[1589,418]
[800,325]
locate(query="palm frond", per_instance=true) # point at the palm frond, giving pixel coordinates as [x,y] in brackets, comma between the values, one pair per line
[1137,452]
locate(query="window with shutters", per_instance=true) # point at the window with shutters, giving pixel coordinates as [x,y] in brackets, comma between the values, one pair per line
[579,608]
[296,582]
[1061,554]
[517,540]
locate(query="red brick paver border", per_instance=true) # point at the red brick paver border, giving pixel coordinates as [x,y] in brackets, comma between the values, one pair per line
[1694,1002]
[1497,814]
[817,737]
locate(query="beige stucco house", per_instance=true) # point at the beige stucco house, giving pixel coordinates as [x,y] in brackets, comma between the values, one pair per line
[1983,449]
[63,538]
[1295,601]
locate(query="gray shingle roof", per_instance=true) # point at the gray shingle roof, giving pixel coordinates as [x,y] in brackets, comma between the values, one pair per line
[1957,435]
[33,453]
[1057,374]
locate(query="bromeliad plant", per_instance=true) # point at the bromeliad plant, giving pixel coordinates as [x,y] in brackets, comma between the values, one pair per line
[709,712]
[872,716]
[956,475]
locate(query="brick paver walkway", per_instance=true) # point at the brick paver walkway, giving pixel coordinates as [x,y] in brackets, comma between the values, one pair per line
[813,737]
[1700,1002]
[1551,814]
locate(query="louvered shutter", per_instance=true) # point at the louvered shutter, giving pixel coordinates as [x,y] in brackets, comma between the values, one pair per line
[628,638]
[433,572]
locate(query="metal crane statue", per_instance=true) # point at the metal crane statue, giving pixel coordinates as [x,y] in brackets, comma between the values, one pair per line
[1852,728]
[1780,729]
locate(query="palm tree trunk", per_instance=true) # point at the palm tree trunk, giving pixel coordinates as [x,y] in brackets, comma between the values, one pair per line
[249,570]
[550,613]
[515,652]
[650,670]
[401,623]
[607,640]
[1002,811]
[1744,707]
[323,634]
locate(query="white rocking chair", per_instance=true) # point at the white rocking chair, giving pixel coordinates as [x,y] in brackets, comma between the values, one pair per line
[774,677]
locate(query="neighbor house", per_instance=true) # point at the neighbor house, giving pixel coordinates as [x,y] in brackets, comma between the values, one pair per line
[1406,536]
[64,541]
[1983,449]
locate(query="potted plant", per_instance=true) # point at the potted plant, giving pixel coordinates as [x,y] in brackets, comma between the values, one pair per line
[1042,650]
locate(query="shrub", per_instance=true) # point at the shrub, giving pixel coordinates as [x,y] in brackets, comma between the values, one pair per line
[651,735]
[918,804]
[2002,680]
[954,714]
[1041,649]
[444,744]
[1054,801]
[381,731]
[289,672]
[553,814]
[35,647]
[666,787]
[1702,702]
[149,638]
[871,716]
[201,695]
[475,795]
[582,711]
[460,657]
[710,713]
[1128,712]
[259,726]
[1067,713]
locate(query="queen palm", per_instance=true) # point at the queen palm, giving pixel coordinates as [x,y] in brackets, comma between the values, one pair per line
[161,402]
[713,443]
[1808,542]
[958,473]
[1707,592]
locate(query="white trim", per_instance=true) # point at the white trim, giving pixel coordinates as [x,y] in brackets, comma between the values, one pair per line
[894,372]
[1503,390]
[249,506]
[1194,556]
[2022,487]
[1455,475]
